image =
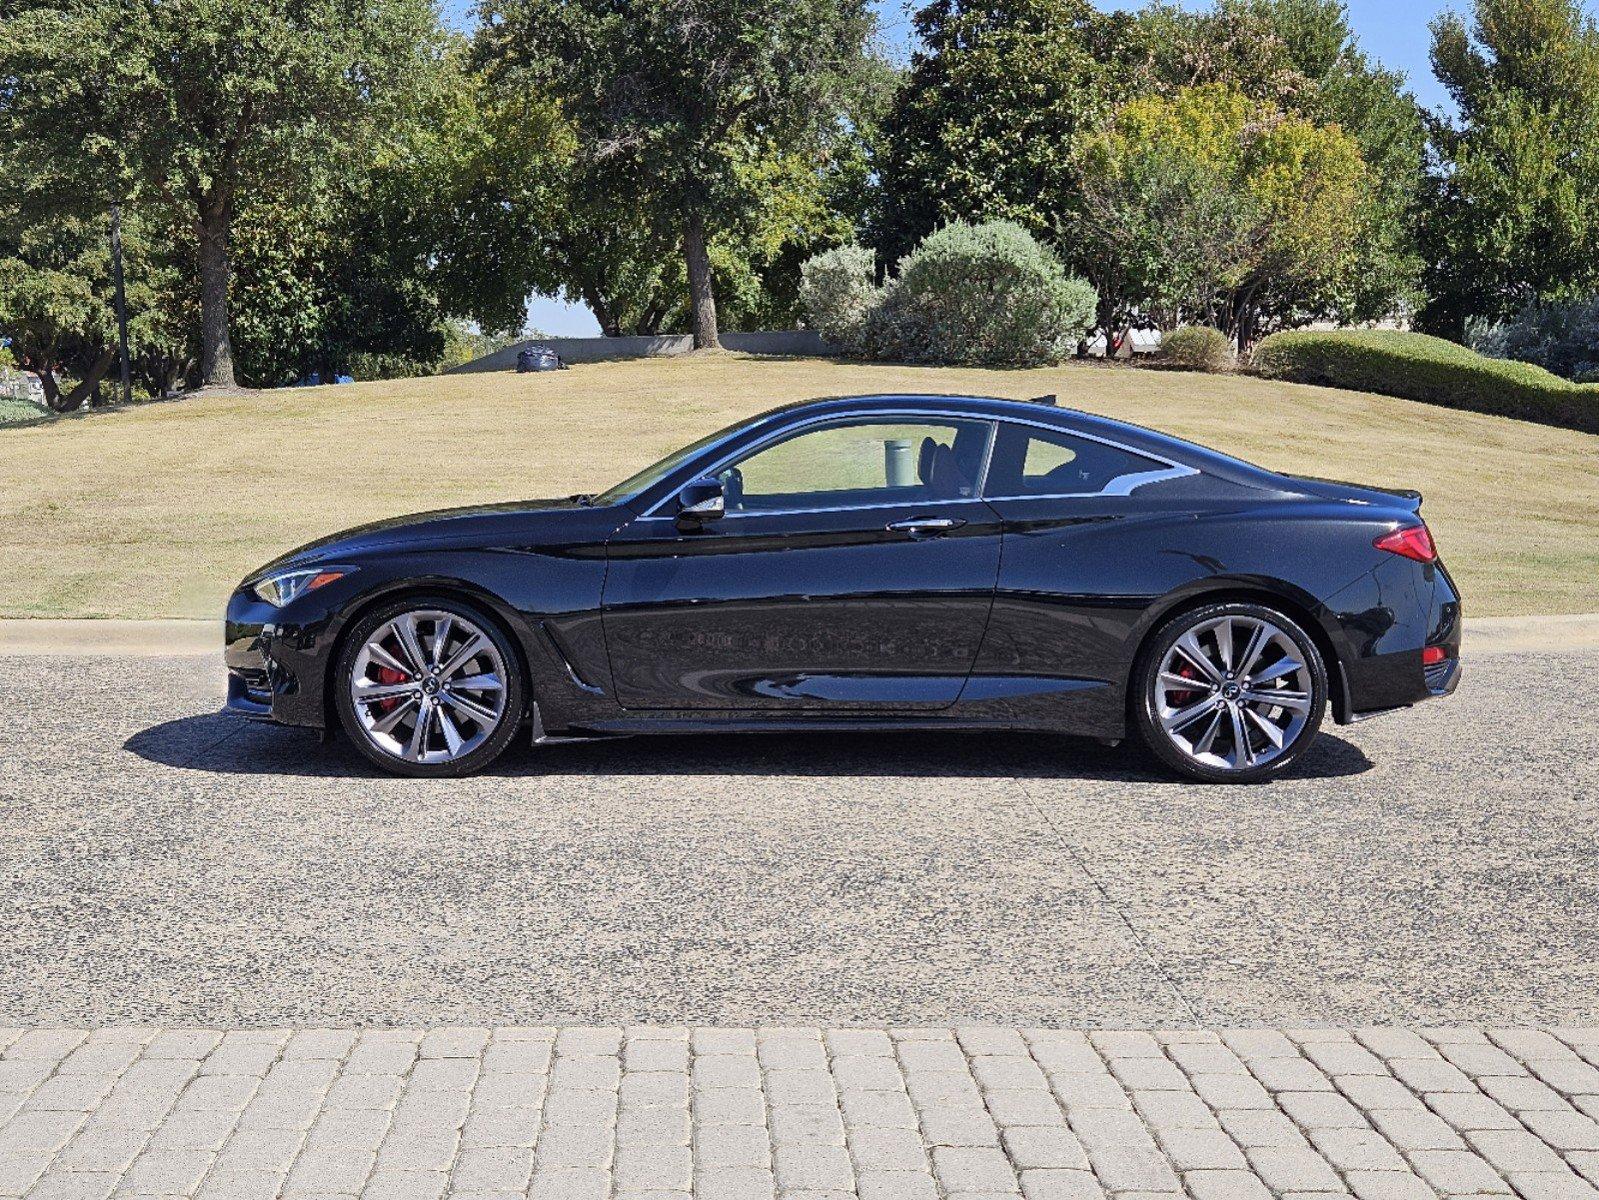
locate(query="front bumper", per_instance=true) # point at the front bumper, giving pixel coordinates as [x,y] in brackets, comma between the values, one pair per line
[276,661]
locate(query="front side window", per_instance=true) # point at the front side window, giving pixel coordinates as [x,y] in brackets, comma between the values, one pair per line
[1029,461]
[860,464]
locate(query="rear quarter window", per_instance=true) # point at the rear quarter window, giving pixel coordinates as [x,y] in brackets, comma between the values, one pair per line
[1028,461]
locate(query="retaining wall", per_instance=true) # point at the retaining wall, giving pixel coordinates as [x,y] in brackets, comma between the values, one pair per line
[797,342]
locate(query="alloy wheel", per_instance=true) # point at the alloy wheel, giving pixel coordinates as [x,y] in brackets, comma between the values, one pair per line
[1233,693]
[428,687]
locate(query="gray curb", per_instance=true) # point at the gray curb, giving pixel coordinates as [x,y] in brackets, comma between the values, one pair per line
[154,639]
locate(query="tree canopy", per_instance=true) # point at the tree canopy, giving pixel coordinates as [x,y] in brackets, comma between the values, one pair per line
[208,105]
[1209,206]
[344,185]
[675,99]
[990,121]
[1513,214]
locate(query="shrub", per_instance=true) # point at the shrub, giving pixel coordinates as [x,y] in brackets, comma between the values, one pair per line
[978,294]
[838,293]
[1559,337]
[1197,348]
[989,294]
[1417,367]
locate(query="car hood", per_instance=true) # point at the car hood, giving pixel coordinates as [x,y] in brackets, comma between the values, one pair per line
[514,519]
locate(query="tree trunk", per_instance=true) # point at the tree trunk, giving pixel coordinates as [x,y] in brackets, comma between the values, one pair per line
[1246,317]
[603,313]
[216,349]
[700,295]
[65,402]
[654,313]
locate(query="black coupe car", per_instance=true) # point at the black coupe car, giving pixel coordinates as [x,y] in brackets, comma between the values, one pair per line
[872,562]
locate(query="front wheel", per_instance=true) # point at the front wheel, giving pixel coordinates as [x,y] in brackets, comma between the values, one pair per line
[429,687]
[1230,693]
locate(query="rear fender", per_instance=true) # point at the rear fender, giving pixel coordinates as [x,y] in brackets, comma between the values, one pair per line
[1294,602]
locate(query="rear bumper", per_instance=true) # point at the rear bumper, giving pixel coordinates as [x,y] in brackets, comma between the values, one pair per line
[1442,678]
[1386,622]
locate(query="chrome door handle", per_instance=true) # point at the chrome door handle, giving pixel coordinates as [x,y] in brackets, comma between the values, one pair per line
[925,525]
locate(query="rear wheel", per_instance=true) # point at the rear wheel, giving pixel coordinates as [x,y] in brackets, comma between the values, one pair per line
[429,686]
[1230,693]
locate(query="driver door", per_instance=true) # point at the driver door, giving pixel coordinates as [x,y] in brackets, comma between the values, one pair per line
[852,568]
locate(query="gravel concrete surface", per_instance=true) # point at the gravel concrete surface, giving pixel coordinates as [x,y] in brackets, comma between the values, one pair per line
[167,864]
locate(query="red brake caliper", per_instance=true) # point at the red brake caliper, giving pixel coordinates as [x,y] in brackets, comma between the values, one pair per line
[1181,698]
[388,675]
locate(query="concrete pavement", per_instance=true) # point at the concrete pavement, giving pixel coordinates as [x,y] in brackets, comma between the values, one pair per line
[168,864]
[235,963]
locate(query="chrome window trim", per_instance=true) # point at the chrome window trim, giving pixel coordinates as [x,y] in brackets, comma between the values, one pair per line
[800,512]
[1120,486]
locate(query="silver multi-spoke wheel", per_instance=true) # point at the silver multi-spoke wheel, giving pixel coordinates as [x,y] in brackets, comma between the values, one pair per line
[428,687]
[1234,693]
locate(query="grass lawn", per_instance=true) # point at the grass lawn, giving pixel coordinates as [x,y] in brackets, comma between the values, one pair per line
[159,510]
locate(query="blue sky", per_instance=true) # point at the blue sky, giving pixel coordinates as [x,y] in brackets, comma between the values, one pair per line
[1392,31]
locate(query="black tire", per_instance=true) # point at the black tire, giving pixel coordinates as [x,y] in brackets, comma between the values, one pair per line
[1165,747]
[469,763]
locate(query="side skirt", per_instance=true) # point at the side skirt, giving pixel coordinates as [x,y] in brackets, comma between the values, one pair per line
[642,726]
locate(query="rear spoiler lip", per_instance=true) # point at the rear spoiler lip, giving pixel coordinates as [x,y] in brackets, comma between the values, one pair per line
[1352,491]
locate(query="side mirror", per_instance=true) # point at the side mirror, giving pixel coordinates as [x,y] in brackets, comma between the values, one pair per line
[700,501]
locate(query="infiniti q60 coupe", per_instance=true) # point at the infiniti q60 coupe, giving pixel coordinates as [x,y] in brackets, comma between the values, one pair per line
[871,562]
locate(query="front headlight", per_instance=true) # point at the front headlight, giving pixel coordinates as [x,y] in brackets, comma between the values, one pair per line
[277,590]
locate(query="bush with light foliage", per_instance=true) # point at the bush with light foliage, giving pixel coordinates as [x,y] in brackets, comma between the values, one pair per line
[987,295]
[838,292]
[1197,348]
[991,295]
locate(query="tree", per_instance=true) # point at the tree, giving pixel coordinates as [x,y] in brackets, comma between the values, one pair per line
[1301,57]
[1161,235]
[515,208]
[671,97]
[1209,206]
[55,282]
[210,104]
[347,274]
[992,117]
[1513,213]
[334,284]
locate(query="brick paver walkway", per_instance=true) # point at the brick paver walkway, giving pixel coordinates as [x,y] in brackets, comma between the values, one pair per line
[802,1114]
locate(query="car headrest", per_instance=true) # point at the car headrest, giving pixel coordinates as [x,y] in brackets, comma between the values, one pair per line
[945,478]
[924,460]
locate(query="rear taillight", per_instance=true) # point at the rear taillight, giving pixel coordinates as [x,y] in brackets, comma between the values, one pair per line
[1412,541]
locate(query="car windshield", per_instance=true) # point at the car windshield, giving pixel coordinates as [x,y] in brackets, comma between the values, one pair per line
[655,472]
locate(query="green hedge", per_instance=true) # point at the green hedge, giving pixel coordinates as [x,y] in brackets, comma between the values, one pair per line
[1417,367]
